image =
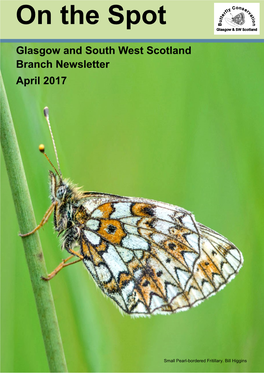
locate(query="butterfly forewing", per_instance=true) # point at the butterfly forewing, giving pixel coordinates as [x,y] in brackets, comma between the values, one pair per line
[152,257]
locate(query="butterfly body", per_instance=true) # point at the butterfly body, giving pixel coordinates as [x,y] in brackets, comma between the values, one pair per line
[149,257]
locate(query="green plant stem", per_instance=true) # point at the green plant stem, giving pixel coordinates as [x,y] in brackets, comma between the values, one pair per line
[33,251]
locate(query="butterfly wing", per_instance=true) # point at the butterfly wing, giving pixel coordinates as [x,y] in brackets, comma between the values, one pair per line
[151,257]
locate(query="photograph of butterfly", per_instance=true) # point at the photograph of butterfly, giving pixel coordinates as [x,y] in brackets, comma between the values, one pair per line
[149,257]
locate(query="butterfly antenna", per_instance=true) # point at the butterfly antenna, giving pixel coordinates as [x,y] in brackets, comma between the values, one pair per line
[42,148]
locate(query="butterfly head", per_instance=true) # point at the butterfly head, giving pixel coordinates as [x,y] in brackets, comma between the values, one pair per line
[62,195]
[60,189]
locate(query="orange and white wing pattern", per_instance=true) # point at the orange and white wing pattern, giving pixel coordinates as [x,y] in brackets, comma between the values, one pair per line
[151,257]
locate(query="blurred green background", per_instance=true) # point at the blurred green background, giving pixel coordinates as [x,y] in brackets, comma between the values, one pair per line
[184,129]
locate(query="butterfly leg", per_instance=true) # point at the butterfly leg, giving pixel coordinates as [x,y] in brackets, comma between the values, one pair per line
[75,254]
[43,221]
[60,266]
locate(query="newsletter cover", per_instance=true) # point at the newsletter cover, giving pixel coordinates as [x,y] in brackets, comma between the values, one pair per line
[132,173]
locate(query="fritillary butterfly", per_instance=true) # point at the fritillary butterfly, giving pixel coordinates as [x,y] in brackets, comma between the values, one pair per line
[149,257]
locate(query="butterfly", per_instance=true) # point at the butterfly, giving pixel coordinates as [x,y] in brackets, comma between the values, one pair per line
[239,19]
[149,257]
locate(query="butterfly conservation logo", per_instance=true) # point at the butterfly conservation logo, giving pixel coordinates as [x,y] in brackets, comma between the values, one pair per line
[236,19]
